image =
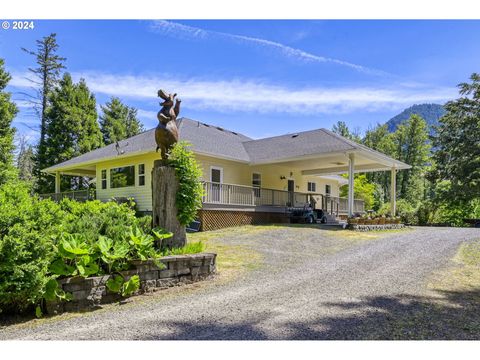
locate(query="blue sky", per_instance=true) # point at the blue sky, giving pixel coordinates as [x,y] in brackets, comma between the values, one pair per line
[262,78]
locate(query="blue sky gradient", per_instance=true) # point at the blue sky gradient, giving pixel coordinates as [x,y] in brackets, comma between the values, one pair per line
[261,78]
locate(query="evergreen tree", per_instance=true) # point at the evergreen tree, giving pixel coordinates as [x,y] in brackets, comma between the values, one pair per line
[413,148]
[342,129]
[380,139]
[46,75]
[72,128]
[457,143]
[25,160]
[118,121]
[8,110]
[134,126]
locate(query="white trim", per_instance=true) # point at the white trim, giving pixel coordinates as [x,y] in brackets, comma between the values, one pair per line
[138,174]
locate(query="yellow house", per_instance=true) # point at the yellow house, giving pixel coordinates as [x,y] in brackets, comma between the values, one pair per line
[243,178]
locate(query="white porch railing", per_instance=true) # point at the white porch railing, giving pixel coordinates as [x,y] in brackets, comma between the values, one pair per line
[78,195]
[231,194]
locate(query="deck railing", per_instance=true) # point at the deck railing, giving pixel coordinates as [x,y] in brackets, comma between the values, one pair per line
[231,194]
[78,195]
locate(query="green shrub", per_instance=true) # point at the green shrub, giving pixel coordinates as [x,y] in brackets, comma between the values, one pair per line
[145,223]
[41,241]
[26,247]
[406,211]
[189,174]
[190,248]
[95,218]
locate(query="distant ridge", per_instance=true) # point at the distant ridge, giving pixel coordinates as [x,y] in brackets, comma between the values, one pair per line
[430,112]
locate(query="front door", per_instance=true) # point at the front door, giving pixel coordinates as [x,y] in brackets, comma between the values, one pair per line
[291,194]
[216,178]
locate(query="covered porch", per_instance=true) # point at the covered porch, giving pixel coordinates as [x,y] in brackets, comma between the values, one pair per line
[359,159]
[221,196]
[78,195]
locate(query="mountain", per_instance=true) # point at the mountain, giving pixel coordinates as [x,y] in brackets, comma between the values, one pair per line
[430,112]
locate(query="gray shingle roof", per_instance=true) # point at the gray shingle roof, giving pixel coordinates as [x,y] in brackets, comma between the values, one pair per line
[217,142]
[294,145]
[207,139]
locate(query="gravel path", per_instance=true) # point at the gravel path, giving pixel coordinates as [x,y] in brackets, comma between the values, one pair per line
[353,292]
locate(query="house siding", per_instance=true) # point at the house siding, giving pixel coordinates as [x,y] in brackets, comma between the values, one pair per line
[233,173]
[141,194]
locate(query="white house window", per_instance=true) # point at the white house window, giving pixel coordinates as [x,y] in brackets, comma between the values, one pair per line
[328,189]
[122,177]
[141,175]
[256,183]
[311,186]
[104,179]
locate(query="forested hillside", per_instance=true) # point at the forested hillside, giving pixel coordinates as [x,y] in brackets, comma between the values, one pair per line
[429,112]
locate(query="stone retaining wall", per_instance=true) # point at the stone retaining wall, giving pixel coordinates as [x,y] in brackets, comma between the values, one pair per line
[363,227]
[91,292]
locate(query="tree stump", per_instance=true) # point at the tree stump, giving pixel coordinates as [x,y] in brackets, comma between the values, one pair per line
[164,208]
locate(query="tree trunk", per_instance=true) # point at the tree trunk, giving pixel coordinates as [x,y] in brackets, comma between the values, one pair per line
[164,191]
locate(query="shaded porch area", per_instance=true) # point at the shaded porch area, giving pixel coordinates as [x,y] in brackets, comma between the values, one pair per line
[221,196]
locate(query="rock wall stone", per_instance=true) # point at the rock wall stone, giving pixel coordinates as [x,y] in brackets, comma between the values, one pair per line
[92,292]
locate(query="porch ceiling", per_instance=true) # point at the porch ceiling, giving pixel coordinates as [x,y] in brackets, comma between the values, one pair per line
[334,164]
[89,171]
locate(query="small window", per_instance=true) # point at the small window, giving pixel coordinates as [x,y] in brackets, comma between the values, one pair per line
[122,177]
[256,183]
[141,175]
[328,189]
[104,179]
[311,186]
[216,175]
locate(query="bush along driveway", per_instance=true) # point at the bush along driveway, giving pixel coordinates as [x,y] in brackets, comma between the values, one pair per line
[285,282]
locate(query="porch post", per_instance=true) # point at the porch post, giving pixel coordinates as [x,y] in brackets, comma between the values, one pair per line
[393,192]
[57,182]
[351,165]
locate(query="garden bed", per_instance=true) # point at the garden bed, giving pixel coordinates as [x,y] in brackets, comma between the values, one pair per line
[91,292]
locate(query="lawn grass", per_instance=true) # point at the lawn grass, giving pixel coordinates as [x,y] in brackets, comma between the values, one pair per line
[451,307]
[464,274]
[232,260]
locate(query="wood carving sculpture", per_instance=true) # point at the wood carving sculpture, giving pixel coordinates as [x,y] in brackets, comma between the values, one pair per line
[166,133]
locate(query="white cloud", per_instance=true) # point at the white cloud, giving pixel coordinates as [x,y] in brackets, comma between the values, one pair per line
[184,31]
[250,95]
[146,114]
[254,96]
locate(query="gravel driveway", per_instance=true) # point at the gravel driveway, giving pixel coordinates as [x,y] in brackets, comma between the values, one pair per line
[312,284]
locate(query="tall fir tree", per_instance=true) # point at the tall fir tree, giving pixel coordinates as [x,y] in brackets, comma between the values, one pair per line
[457,144]
[8,111]
[341,128]
[413,148]
[118,121]
[134,126]
[72,129]
[380,139]
[25,160]
[46,74]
